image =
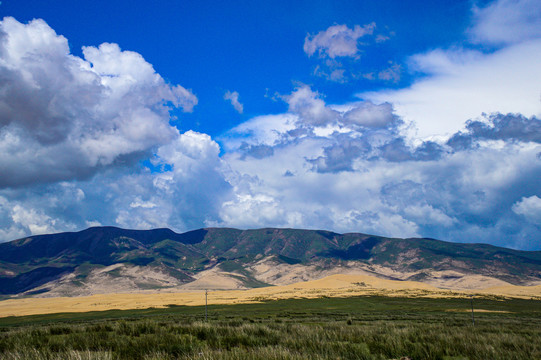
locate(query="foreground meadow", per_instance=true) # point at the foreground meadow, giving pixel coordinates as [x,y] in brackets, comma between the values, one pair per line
[324,328]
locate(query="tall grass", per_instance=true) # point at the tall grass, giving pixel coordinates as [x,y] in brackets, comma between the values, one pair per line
[296,333]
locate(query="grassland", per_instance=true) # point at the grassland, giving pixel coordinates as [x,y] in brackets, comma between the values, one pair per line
[367,327]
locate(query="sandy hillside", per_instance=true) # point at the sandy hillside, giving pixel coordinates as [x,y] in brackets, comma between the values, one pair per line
[125,278]
[333,286]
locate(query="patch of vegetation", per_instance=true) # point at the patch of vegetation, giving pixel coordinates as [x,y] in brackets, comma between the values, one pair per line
[289,260]
[325,328]
[245,276]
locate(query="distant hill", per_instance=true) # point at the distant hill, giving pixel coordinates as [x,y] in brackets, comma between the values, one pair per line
[110,259]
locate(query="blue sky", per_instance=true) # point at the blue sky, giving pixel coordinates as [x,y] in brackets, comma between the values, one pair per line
[255,48]
[386,117]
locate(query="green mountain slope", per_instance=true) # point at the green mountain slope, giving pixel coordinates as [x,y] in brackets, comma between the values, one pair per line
[110,253]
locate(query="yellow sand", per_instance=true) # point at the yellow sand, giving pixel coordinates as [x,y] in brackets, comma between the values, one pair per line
[479,311]
[514,291]
[332,286]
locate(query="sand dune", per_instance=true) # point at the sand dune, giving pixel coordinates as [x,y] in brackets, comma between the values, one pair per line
[514,291]
[332,286]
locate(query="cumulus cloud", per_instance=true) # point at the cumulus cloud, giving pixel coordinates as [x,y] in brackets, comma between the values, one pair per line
[341,155]
[248,211]
[358,171]
[309,106]
[41,209]
[186,196]
[467,195]
[360,176]
[337,41]
[339,48]
[342,167]
[309,116]
[371,115]
[266,130]
[233,98]
[333,199]
[510,127]
[506,22]
[63,117]
[368,129]
[197,183]
[530,208]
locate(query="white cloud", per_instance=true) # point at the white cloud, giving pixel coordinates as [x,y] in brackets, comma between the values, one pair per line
[371,115]
[260,130]
[309,199]
[337,41]
[183,198]
[363,175]
[507,22]
[191,193]
[63,117]
[461,84]
[464,84]
[247,211]
[93,223]
[344,167]
[331,73]
[309,106]
[470,194]
[191,152]
[530,208]
[392,73]
[29,212]
[34,220]
[138,203]
[462,196]
[338,47]
[233,97]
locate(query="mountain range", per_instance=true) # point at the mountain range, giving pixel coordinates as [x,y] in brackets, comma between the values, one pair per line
[110,259]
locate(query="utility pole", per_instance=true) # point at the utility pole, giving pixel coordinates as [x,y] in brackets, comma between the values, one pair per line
[472,316]
[206,295]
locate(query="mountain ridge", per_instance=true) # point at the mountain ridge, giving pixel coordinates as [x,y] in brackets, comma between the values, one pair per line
[74,263]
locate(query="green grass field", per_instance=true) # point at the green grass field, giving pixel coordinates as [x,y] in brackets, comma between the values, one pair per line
[326,328]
